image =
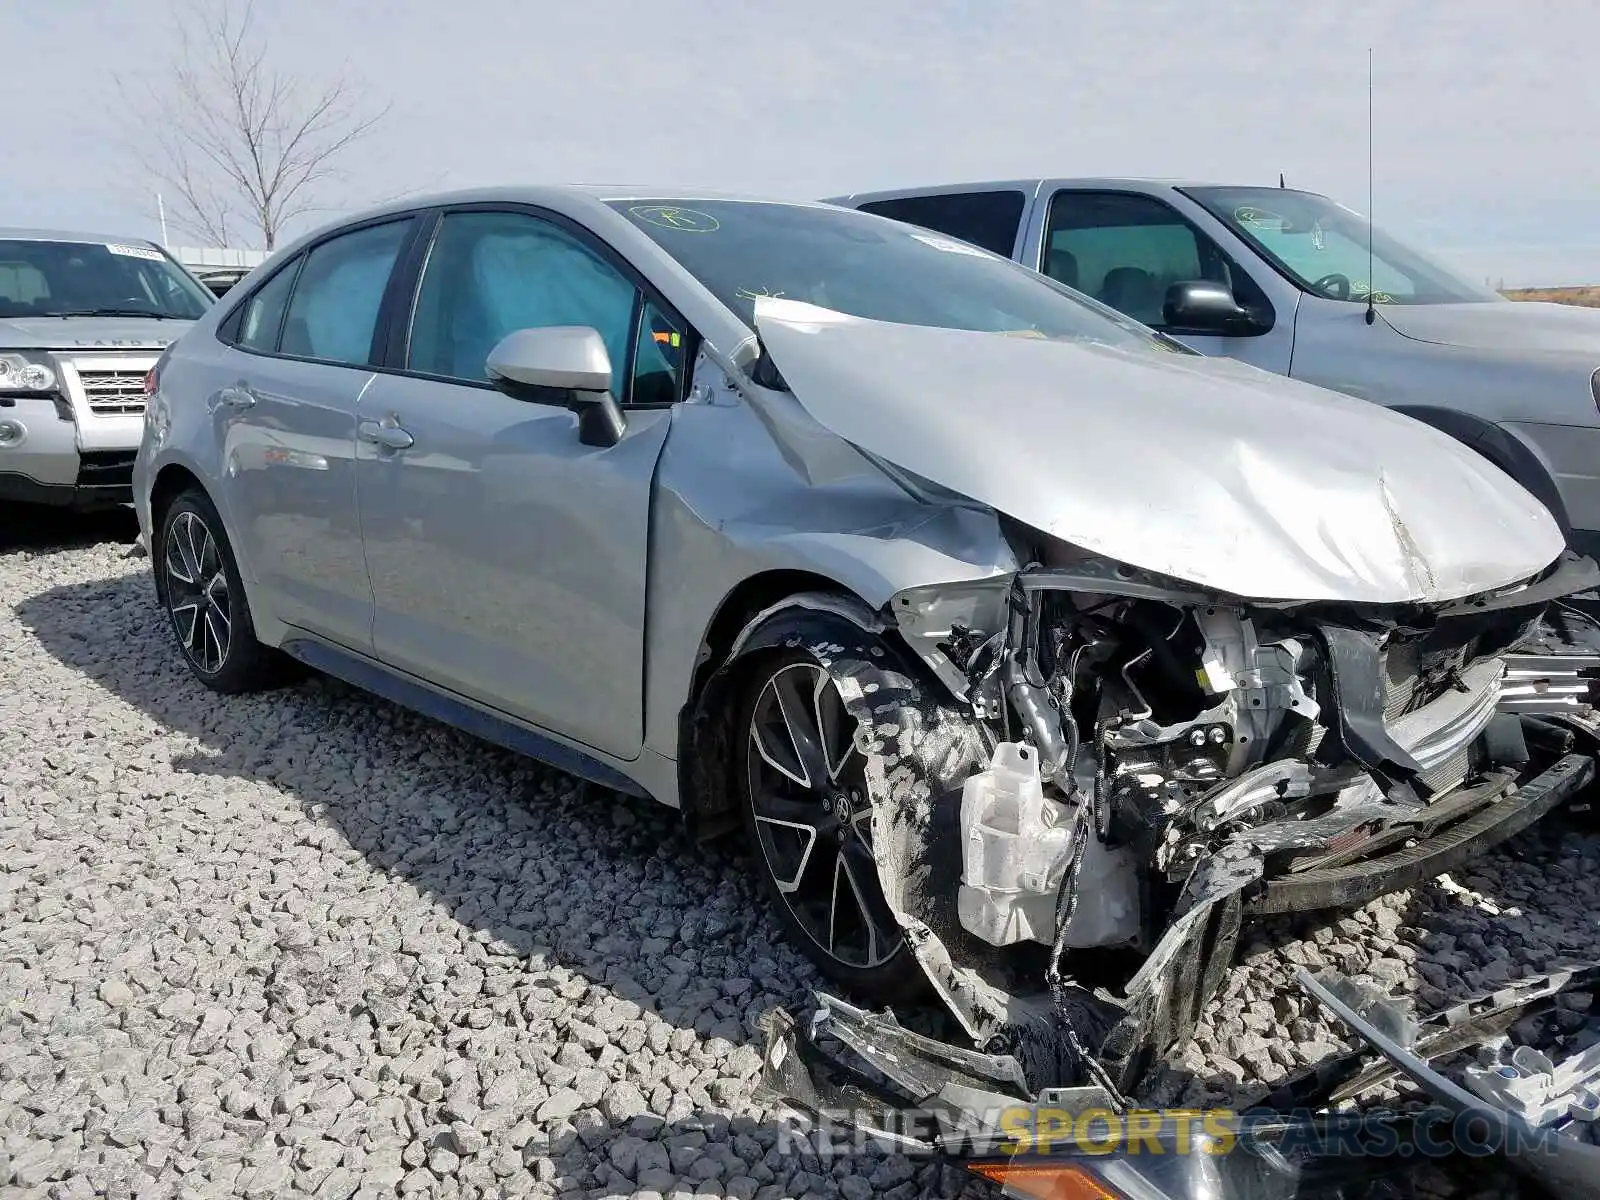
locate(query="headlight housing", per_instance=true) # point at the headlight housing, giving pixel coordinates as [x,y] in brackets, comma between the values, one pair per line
[26,373]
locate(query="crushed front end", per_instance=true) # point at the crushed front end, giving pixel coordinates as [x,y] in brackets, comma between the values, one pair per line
[1148,765]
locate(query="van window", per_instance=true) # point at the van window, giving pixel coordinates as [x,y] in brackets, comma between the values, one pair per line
[987,219]
[1126,250]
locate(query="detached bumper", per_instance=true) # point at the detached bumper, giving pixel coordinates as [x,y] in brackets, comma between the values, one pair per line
[964,1091]
[1539,1112]
[914,1098]
[1434,852]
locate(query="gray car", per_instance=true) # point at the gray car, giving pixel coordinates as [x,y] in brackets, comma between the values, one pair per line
[1287,280]
[82,319]
[952,589]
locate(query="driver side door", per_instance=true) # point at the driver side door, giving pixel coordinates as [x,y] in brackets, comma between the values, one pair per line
[508,560]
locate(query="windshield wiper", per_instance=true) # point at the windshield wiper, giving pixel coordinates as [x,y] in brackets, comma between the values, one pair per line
[115,312]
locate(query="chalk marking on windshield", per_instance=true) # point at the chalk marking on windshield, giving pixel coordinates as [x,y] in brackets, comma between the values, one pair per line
[671,216]
[1248,214]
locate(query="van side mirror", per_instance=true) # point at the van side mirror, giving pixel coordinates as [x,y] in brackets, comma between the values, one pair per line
[1204,306]
[566,365]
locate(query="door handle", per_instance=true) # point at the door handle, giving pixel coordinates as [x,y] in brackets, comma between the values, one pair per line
[238,395]
[386,433]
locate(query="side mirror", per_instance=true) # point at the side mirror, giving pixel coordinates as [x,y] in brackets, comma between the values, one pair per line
[566,365]
[1204,306]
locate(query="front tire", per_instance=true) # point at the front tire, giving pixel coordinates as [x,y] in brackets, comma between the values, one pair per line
[198,583]
[803,791]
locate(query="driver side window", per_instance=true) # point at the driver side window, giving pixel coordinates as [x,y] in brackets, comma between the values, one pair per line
[1126,250]
[492,273]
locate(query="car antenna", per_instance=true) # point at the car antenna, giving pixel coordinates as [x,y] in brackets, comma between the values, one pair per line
[1372,312]
[1280,179]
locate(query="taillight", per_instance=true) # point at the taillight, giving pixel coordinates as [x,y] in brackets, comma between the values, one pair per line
[152,377]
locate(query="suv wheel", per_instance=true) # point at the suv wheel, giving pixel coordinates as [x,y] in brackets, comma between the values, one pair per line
[198,583]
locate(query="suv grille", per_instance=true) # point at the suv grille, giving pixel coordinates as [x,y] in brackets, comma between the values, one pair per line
[113,393]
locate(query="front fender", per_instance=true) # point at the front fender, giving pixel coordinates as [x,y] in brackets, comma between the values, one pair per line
[730,507]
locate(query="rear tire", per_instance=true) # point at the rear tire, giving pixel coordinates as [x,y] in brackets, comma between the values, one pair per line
[198,583]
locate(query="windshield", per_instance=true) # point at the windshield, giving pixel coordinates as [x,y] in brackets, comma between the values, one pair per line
[1322,246]
[71,279]
[872,267]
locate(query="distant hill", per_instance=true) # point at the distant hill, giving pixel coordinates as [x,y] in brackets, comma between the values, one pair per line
[1589,296]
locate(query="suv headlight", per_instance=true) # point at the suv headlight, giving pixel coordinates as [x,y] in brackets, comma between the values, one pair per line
[25,372]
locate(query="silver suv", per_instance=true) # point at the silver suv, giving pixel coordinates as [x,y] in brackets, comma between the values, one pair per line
[943,583]
[82,319]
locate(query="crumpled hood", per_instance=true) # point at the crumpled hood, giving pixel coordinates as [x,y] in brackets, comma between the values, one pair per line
[1533,326]
[1200,468]
[88,334]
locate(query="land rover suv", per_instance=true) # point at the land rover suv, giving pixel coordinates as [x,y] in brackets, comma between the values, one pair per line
[83,318]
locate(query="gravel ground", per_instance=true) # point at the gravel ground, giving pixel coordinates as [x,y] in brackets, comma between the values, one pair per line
[307,943]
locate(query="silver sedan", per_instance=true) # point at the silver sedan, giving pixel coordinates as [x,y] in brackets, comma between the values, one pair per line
[1004,627]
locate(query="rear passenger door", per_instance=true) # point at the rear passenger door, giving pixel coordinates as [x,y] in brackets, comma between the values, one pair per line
[507,558]
[991,219]
[1127,249]
[304,343]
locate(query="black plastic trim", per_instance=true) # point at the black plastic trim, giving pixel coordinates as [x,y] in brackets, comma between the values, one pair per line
[23,489]
[469,718]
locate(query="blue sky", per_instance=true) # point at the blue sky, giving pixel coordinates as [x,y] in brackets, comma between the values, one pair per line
[1486,143]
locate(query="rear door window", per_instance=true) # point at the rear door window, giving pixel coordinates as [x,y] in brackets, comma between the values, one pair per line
[334,311]
[262,319]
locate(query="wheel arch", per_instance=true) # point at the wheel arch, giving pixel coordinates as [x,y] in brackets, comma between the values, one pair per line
[704,721]
[171,481]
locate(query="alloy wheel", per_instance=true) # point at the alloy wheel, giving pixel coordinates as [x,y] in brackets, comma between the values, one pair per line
[813,820]
[197,592]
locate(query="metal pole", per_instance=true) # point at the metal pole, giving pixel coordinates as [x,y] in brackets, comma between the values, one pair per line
[162,210]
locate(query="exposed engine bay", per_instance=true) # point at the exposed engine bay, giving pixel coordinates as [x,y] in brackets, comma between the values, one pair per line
[1154,764]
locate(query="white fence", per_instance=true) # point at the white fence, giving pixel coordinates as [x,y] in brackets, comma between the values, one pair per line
[205,258]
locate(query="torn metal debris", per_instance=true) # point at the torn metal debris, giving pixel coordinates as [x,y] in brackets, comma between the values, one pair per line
[1525,1060]
[1146,769]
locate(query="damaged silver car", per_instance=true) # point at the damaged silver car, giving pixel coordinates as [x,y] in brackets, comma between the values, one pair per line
[1006,628]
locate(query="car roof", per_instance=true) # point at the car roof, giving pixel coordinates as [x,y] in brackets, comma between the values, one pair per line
[17,234]
[1030,186]
[543,194]
[590,204]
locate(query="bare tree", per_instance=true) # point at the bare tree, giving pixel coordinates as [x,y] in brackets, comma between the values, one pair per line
[245,147]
